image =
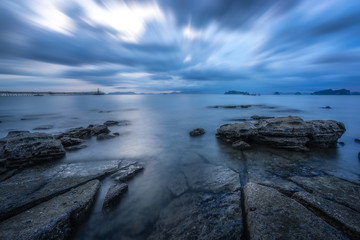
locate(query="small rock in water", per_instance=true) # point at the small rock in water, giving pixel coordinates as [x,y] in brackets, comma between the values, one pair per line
[327,107]
[113,195]
[341,143]
[357,140]
[359,155]
[241,145]
[118,123]
[197,132]
[127,172]
[43,127]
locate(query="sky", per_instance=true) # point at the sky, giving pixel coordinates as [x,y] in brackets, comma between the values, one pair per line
[190,46]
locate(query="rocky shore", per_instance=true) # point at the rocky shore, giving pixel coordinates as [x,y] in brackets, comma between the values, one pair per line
[41,198]
[268,191]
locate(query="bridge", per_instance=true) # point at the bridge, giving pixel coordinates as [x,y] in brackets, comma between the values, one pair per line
[35,93]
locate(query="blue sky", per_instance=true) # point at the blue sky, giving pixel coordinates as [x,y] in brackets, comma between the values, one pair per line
[181,45]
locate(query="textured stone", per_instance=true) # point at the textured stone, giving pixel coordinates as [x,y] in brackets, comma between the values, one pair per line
[241,145]
[127,172]
[114,195]
[272,215]
[53,219]
[197,132]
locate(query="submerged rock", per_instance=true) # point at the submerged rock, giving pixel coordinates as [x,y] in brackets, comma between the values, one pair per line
[81,132]
[241,145]
[256,117]
[200,216]
[53,219]
[21,148]
[197,132]
[357,140]
[285,132]
[127,172]
[104,136]
[272,215]
[113,195]
[117,123]
[43,127]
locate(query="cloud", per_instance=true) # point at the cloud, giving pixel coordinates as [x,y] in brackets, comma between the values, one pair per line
[181,44]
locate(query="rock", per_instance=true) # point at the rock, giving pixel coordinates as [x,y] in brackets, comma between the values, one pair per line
[116,134]
[341,143]
[359,155]
[21,148]
[75,148]
[285,132]
[207,177]
[332,188]
[197,132]
[53,219]
[69,141]
[98,129]
[325,133]
[113,195]
[236,131]
[272,215]
[357,140]
[118,123]
[200,216]
[327,107]
[43,127]
[41,183]
[104,136]
[256,117]
[344,218]
[177,184]
[81,132]
[127,172]
[241,145]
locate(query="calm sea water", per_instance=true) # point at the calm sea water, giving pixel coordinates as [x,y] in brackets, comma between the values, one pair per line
[158,138]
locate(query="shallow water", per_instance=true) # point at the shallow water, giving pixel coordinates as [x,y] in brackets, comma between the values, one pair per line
[158,138]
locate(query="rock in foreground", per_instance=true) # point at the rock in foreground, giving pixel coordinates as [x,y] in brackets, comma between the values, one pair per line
[113,195]
[53,219]
[21,148]
[272,215]
[285,132]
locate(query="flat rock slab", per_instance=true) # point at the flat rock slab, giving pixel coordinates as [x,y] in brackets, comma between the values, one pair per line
[53,219]
[127,172]
[343,217]
[208,177]
[332,188]
[200,216]
[272,215]
[38,184]
[21,148]
[114,195]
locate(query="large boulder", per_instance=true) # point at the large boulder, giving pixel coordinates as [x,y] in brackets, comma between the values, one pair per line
[21,148]
[285,132]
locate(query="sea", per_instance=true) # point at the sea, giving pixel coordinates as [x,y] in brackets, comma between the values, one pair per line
[157,136]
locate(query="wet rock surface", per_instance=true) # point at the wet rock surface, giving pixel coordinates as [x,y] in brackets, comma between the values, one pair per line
[38,184]
[200,216]
[104,136]
[197,132]
[127,172]
[114,195]
[117,123]
[53,219]
[81,132]
[241,145]
[69,141]
[21,148]
[332,188]
[272,215]
[343,217]
[285,132]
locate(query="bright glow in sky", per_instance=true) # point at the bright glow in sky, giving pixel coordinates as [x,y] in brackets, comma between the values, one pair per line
[180,45]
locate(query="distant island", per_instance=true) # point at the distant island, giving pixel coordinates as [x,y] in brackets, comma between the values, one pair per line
[241,93]
[332,92]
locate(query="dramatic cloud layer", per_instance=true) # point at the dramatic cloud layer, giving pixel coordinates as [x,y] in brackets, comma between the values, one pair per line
[180,45]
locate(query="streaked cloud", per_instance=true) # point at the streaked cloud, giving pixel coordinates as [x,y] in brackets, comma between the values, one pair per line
[194,46]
